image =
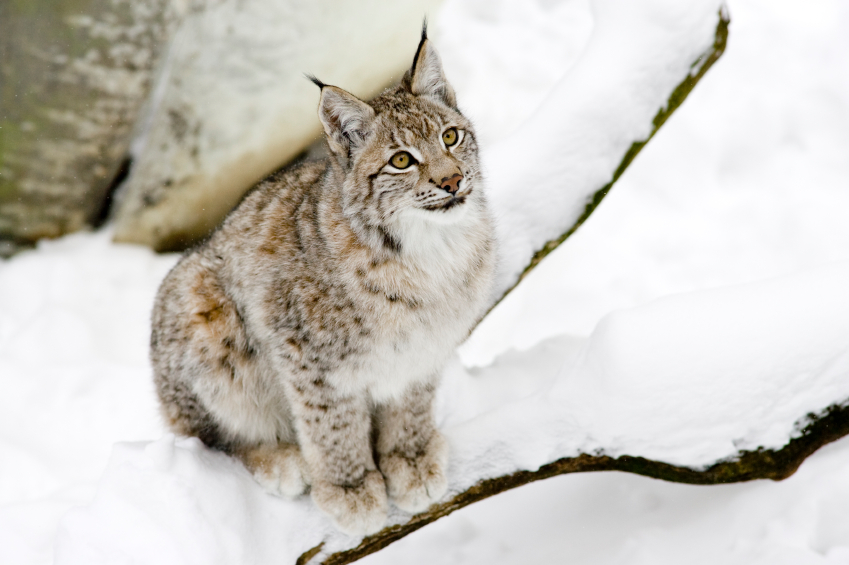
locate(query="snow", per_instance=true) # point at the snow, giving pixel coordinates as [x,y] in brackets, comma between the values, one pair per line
[618,518]
[542,176]
[689,379]
[747,180]
[178,502]
[73,364]
[698,312]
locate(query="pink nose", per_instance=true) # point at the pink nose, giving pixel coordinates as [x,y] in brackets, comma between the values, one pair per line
[452,184]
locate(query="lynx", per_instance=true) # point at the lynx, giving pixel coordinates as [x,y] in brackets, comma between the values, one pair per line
[307,334]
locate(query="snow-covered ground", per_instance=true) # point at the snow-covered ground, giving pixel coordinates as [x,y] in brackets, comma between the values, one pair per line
[746,182]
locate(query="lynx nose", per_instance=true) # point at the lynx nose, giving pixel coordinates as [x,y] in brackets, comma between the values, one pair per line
[452,184]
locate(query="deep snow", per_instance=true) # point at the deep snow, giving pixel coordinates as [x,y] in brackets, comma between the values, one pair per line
[738,187]
[689,379]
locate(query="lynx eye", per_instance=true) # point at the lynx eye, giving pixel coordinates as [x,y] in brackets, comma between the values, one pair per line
[401,160]
[449,137]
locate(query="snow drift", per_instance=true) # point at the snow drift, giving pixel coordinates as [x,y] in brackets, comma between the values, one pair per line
[689,380]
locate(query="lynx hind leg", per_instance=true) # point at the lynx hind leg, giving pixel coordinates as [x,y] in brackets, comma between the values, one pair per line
[412,454]
[280,469]
[205,370]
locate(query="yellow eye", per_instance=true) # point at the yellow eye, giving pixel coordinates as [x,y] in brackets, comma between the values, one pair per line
[449,137]
[401,160]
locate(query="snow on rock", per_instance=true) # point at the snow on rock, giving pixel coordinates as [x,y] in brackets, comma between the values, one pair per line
[689,379]
[542,176]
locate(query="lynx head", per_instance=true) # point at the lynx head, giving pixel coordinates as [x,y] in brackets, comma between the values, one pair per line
[408,157]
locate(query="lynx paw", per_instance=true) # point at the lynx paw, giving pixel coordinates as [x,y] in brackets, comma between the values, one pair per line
[279,469]
[414,484]
[357,511]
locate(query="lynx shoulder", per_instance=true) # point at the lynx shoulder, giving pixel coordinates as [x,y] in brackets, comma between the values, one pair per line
[307,335]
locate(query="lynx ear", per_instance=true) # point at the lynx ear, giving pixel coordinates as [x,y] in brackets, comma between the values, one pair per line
[427,76]
[344,116]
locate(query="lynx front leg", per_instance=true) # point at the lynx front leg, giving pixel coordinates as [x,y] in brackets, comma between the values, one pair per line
[412,454]
[334,433]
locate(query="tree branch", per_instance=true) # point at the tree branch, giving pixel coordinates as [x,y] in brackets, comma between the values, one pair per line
[818,430]
[776,465]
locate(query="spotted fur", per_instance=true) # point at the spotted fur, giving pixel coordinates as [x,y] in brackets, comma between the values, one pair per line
[307,334]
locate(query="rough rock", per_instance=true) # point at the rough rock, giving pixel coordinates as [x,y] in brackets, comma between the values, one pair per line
[74,75]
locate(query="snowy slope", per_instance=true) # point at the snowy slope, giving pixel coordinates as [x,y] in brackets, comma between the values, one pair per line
[739,186]
[73,367]
[690,380]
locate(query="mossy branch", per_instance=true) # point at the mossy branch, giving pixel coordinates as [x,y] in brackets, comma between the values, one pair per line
[818,430]
[776,465]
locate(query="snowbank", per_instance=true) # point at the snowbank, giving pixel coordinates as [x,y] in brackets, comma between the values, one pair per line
[74,327]
[689,380]
[738,186]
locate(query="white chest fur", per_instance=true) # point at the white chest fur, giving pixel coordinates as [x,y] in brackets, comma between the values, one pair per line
[412,344]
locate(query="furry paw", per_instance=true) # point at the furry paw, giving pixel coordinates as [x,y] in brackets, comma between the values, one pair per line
[280,469]
[357,511]
[415,484]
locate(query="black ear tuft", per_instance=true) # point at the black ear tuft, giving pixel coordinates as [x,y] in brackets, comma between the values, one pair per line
[345,118]
[426,77]
[314,80]
[421,44]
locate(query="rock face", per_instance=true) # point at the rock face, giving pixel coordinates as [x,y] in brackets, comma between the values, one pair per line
[74,75]
[232,104]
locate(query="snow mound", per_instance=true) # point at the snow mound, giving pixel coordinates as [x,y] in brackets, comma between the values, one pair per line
[689,380]
[715,370]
